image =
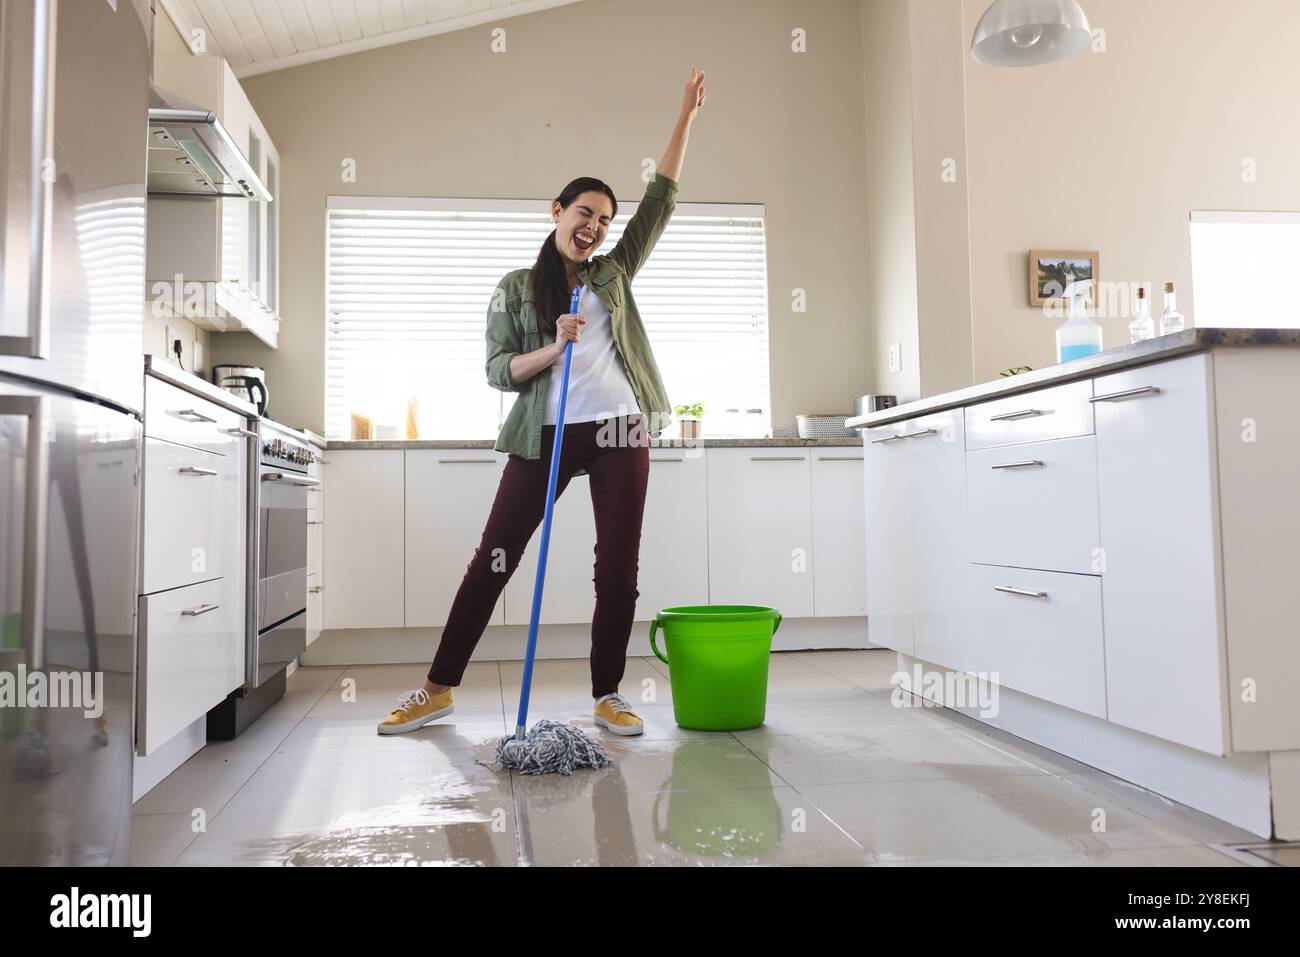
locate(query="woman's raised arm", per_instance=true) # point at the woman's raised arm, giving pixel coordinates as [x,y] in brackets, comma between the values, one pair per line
[692,100]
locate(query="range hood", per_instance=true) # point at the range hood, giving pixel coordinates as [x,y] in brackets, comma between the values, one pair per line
[191,154]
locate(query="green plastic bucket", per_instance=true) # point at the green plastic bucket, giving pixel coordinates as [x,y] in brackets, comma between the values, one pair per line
[717,663]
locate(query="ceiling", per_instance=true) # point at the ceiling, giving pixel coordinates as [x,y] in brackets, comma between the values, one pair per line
[257,36]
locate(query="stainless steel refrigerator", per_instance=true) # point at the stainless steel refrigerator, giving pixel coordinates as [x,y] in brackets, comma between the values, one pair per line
[73,109]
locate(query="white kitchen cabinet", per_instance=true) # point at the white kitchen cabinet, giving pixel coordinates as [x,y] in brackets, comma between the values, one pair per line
[1037,632]
[839,536]
[569,595]
[937,476]
[271,231]
[1035,505]
[363,548]
[449,493]
[189,661]
[760,529]
[887,521]
[315,607]
[193,567]
[192,512]
[1056,412]
[180,417]
[674,560]
[227,248]
[316,548]
[915,490]
[1159,514]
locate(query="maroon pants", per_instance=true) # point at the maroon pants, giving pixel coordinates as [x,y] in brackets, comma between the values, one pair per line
[619,471]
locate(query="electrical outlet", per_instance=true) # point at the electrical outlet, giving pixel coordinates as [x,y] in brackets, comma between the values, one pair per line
[896,357]
[170,338]
[196,356]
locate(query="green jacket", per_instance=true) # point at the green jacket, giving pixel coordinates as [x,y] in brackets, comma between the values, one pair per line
[512,327]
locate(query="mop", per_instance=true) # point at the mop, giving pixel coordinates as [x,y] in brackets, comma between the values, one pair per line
[548,746]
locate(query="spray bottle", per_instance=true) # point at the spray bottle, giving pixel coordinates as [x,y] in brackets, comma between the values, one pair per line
[1078,336]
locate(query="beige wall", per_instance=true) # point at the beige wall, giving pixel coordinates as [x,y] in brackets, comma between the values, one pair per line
[891,200]
[167,42]
[593,88]
[1110,151]
[939,42]
[918,243]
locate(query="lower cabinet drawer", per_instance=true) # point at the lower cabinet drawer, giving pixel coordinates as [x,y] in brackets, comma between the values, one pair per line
[174,415]
[191,656]
[1040,631]
[192,515]
[1035,506]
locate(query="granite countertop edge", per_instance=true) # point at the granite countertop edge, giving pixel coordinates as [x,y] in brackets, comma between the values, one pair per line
[1111,360]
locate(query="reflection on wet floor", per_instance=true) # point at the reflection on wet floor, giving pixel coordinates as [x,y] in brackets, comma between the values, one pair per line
[836,776]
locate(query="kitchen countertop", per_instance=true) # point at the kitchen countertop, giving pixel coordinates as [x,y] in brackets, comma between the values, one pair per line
[723,443]
[160,368]
[1111,360]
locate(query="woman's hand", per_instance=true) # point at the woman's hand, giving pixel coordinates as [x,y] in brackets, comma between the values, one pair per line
[568,327]
[693,98]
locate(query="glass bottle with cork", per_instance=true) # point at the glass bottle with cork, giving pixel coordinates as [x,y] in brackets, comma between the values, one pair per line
[1142,327]
[1171,320]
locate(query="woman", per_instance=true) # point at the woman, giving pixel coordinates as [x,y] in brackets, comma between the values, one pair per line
[616,399]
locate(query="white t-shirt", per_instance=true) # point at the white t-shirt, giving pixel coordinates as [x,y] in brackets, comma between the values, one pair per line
[598,385]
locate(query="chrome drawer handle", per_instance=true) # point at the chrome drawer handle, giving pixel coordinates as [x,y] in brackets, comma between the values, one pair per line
[918,433]
[1126,394]
[195,470]
[238,431]
[839,458]
[192,416]
[776,458]
[315,589]
[467,461]
[1012,416]
[199,610]
[887,438]
[667,461]
[1020,591]
[1027,464]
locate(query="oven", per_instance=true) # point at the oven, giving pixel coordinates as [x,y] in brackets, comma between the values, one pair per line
[275,629]
[278,631]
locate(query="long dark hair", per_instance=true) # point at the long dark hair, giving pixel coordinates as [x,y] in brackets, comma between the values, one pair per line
[550,283]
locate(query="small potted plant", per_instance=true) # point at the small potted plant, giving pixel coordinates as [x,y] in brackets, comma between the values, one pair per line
[688,419]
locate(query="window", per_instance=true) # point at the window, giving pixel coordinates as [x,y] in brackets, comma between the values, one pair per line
[408,282]
[1243,265]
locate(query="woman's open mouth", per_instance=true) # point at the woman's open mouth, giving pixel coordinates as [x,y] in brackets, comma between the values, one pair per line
[583,241]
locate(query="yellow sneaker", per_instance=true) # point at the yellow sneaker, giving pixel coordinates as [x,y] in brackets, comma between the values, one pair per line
[613,713]
[416,709]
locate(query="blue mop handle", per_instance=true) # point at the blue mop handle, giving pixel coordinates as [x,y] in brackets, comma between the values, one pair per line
[536,615]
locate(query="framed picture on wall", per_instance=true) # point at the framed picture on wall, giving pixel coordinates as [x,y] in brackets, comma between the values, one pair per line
[1052,270]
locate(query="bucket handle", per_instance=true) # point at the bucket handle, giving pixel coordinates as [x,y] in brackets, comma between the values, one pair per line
[654,627]
[654,646]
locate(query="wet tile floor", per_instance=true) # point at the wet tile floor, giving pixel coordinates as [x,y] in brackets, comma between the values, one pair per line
[836,776]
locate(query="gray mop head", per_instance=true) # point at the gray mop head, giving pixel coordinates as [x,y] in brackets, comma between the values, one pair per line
[549,747]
